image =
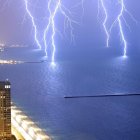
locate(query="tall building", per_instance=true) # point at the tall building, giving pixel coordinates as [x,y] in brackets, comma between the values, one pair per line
[5,110]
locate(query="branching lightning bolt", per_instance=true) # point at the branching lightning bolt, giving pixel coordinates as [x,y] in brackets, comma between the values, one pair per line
[58,7]
[33,23]
[118,20]
[104,22]
[120,26]
[55,6]
[51,24]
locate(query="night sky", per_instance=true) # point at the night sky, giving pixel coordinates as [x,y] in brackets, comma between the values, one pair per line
[16,27]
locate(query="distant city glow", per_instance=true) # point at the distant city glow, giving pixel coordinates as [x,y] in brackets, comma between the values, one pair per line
[10,62]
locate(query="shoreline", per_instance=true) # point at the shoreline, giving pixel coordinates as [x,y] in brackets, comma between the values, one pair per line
[24,127]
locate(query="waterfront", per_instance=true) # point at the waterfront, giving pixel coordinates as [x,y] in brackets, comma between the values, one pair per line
[24,128]
[39,90]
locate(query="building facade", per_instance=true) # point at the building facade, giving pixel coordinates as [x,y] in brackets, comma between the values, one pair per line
[5,110]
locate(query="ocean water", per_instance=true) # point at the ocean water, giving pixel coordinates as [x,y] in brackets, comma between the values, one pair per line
[39,90]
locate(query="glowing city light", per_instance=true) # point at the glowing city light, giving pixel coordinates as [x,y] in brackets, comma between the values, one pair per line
[28,129]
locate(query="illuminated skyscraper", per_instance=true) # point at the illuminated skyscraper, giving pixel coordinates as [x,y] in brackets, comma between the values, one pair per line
[5,111]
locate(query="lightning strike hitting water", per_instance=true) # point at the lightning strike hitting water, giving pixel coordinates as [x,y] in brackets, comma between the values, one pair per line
[105,21]
[120,26]
[58,7]
[118,20]
[33,24]
[51,25]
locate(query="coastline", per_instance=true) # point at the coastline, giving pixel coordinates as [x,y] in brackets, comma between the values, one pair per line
[24,128]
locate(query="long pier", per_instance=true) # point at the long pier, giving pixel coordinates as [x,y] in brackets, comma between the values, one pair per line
[102,95]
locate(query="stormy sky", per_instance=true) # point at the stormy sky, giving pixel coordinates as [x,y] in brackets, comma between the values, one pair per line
[16,27]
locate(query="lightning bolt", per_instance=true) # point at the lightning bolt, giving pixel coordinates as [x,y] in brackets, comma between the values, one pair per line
[58,7]
[51,24]
[118,20]
[120,26]
[33,24]
[54,6]
[105,21]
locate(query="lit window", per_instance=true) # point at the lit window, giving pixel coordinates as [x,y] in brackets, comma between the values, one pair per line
[7,86]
